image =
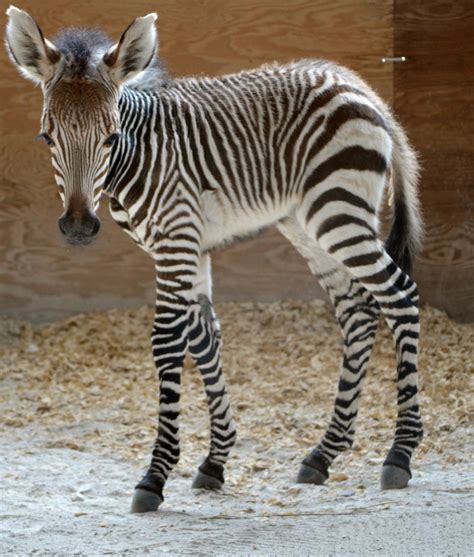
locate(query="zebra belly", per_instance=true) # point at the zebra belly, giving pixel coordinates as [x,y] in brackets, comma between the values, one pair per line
[225,225]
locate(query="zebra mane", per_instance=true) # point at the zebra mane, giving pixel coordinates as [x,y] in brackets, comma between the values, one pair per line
[83,49]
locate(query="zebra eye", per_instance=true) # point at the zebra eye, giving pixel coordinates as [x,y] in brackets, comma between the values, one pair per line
[111,139]
[45,137]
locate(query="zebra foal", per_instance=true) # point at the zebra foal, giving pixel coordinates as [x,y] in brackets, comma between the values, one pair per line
[192,164]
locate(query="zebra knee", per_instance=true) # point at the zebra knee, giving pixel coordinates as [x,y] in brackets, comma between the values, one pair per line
[204,326]
[168,342]
[205,308]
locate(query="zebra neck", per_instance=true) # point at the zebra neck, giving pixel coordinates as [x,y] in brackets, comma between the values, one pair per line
[130,169]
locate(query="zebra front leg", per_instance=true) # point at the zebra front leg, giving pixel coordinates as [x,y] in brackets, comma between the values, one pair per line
[176,258]
[169,342]
[205,347]
[357,313]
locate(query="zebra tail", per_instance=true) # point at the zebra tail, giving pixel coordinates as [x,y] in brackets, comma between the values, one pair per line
[406,233]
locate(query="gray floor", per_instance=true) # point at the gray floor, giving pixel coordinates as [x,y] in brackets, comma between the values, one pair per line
[66,502]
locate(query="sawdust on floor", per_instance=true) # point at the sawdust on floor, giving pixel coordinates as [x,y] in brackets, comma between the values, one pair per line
[78,401]
[94,373]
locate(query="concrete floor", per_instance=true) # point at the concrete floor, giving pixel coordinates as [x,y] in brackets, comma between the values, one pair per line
[58,501]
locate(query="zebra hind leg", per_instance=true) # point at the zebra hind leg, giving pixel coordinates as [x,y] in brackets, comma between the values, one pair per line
[357,313]
[396,294]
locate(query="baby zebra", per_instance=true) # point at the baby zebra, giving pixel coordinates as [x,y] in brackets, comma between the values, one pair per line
[192,164]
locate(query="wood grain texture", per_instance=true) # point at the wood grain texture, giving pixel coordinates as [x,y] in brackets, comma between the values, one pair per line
[434,98]
[43,278]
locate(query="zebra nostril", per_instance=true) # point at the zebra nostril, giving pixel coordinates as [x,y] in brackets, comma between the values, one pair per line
[90,224]
[63,223]
[96,226]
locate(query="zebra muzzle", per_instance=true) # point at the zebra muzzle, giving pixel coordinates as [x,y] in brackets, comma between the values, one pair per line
[79,228]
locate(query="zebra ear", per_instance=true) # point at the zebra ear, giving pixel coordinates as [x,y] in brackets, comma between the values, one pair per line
[35,56]
[135,50]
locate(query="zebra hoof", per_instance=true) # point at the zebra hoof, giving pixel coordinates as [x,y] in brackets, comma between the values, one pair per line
[309,475]
[394,477]
[145,501]
[204,481]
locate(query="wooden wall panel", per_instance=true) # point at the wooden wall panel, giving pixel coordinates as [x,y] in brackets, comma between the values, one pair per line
[40,277]
[434,98]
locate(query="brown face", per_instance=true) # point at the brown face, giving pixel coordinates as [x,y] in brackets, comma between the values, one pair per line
[80,123]
[81,77]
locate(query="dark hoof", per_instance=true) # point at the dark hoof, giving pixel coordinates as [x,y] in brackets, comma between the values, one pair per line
[394,477]
[204,481]
[145,501]
[309,475]
[210,475]
[313,469]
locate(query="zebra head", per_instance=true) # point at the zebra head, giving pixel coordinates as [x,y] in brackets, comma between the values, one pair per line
[81,74]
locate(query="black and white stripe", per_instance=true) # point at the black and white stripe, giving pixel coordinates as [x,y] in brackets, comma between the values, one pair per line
[201,162]
[300,146]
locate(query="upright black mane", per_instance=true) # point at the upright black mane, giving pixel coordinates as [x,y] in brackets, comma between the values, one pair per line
[83,48]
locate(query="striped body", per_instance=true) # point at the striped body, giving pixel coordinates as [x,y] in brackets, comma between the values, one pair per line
[197,163]
[306,147]
[249,147]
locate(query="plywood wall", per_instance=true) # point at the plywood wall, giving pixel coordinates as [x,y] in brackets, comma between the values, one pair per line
[434,98]
[41,277]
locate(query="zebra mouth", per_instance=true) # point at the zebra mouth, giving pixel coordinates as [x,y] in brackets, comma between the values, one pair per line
[79,240]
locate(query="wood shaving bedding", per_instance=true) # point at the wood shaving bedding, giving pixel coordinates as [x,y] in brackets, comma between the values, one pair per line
[90,382]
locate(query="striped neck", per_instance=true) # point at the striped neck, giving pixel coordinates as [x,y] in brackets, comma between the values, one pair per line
[138,118]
